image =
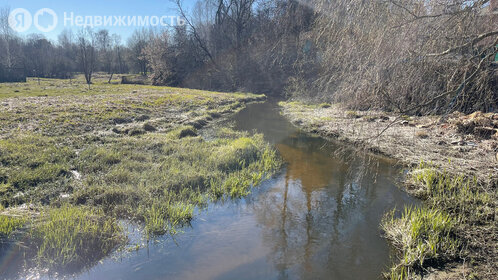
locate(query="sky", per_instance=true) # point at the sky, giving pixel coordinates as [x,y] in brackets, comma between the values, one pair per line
[91,8]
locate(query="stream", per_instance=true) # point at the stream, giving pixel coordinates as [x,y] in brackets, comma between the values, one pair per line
[318,218]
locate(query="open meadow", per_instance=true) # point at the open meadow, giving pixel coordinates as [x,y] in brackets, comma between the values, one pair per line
[74,161]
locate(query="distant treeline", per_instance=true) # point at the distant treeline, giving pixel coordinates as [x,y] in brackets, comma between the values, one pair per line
[411,56]
[35,56]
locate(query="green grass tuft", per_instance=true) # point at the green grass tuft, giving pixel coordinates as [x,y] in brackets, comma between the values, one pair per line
[434,233]
[457,195]
[71,237]
[8,224]
[422,235]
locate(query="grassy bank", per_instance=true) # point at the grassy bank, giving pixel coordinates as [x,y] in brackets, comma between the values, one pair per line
[457,223]
[454,234]
[74,162]
[59,107]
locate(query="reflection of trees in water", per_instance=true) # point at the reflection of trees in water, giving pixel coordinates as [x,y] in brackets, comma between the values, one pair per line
[312,219]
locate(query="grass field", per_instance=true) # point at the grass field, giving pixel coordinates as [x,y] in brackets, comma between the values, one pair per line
[74,161]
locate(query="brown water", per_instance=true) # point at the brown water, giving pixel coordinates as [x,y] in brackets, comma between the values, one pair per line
[317,219]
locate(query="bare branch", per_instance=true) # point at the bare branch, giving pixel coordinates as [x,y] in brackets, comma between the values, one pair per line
[474,41]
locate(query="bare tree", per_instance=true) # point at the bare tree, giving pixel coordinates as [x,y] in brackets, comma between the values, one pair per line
[87,53]
[11,56]
[6,34]
[69,53]
[106,51]
[159,56]
[104,47]
[118,54]
[137,44]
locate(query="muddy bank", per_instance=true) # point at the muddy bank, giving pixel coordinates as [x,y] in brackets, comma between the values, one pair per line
[410,139]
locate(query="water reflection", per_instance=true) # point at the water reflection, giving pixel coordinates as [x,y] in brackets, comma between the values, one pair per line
[321,222]
[321,219]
